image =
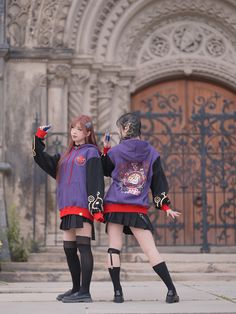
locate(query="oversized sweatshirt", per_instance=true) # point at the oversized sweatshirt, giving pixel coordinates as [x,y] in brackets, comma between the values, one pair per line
[80,183]
[135,168]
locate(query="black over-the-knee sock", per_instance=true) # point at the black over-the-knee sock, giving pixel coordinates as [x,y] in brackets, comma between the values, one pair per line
[86,258]
[73,262]
[114,271]
[162,270]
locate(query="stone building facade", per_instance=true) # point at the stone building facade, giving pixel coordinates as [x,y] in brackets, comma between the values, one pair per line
[61,58]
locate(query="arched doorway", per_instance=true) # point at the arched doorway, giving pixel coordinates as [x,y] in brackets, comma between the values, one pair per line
[193,126]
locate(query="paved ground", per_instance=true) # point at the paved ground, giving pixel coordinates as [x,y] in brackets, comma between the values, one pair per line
[215,297]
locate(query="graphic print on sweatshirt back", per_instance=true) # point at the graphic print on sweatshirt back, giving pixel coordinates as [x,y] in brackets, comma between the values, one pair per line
[133,160]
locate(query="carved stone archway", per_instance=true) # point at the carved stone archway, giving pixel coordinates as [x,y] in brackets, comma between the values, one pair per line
[93,54]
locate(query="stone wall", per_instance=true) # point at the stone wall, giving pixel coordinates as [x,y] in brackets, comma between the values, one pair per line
[85,56]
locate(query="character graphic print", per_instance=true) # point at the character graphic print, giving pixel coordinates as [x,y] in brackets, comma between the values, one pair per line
[132,177]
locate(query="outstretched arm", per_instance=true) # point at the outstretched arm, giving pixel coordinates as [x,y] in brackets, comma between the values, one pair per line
[43,159]
[159,188]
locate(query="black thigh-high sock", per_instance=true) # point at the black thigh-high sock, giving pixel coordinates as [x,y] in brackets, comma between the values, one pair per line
[73,262]
[162,270]
[86,258]
[114,271]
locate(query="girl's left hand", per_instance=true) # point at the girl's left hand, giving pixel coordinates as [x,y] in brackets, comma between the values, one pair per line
[172,213]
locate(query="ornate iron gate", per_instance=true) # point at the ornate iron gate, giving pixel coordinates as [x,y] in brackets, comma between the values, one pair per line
[200,164]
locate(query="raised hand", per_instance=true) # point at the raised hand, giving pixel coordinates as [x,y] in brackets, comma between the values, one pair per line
[172,213]
[45,127]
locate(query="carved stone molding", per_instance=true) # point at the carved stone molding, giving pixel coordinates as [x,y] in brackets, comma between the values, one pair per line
[74,30]
[17,18]
[106,85]
[216,14]
[49,30]
[58,74]
[123,95]
[37,23]
[93,94]
[208,68]
[109,15]
[186,38]
[77,86]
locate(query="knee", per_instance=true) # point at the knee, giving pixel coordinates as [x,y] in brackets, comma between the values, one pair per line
[83,244]
[113,251]
[70,247]
[116,261]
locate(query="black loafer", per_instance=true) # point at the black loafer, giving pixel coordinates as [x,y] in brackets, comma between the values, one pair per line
[118,297]
[77,297]
[172,297]
[65,294]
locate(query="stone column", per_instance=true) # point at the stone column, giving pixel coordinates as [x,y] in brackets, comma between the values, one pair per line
[77,90]
[58,76]
[4,247]
[106,87]
[121,103]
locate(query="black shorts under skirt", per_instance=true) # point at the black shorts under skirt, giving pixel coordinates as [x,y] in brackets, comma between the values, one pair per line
[75,221]
[128,220]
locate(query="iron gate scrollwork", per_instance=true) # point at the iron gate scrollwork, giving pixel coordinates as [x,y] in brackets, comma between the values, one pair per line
[200,165]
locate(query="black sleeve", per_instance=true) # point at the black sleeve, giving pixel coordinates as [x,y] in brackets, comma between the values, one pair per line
[107,165]
[159,185]
[95,185]
[43,159]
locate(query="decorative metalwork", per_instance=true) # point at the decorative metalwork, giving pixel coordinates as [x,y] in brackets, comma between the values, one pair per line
[200,165]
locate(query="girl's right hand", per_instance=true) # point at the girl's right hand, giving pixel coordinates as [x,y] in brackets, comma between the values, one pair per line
[42,131]
[45,127]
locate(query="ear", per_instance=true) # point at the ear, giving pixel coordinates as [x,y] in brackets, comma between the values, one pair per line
[88,133]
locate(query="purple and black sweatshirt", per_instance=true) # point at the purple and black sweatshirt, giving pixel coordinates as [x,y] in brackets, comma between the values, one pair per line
[135,167]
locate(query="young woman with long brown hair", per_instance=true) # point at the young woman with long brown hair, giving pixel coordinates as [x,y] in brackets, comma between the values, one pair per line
[80,190]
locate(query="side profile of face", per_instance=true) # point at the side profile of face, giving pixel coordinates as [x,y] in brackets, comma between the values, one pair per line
[123,131]
[78,135]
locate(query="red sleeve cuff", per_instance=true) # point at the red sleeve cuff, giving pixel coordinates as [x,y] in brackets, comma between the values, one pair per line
[165,207]
[98,216]
[105,150]
[41,133]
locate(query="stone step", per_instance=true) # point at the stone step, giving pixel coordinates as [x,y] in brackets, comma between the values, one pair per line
[199,267]
[99,256]
[104,276]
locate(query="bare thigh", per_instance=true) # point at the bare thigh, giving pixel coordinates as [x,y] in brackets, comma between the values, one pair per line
[147,244]
[115,232]
[70,235]
[86,231]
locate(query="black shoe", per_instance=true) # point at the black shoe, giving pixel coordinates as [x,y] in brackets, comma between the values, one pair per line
[172,297]
[77,297]
[118,297]
[65,294]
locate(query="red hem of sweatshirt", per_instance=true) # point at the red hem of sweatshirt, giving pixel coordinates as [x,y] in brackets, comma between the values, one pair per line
[75,210]
[122,208]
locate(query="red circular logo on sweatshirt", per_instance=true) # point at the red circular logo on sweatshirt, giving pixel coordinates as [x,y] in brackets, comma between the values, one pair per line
[80,160]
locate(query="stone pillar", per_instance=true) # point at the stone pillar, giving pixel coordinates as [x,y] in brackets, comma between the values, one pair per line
[106,86]
[122,99]
[58,76]
[4,247]
[77,90]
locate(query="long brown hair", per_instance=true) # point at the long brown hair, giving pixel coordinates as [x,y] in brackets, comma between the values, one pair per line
[85,123]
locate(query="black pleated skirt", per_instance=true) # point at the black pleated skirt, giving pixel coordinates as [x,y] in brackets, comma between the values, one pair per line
[128,220]
[75,221]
